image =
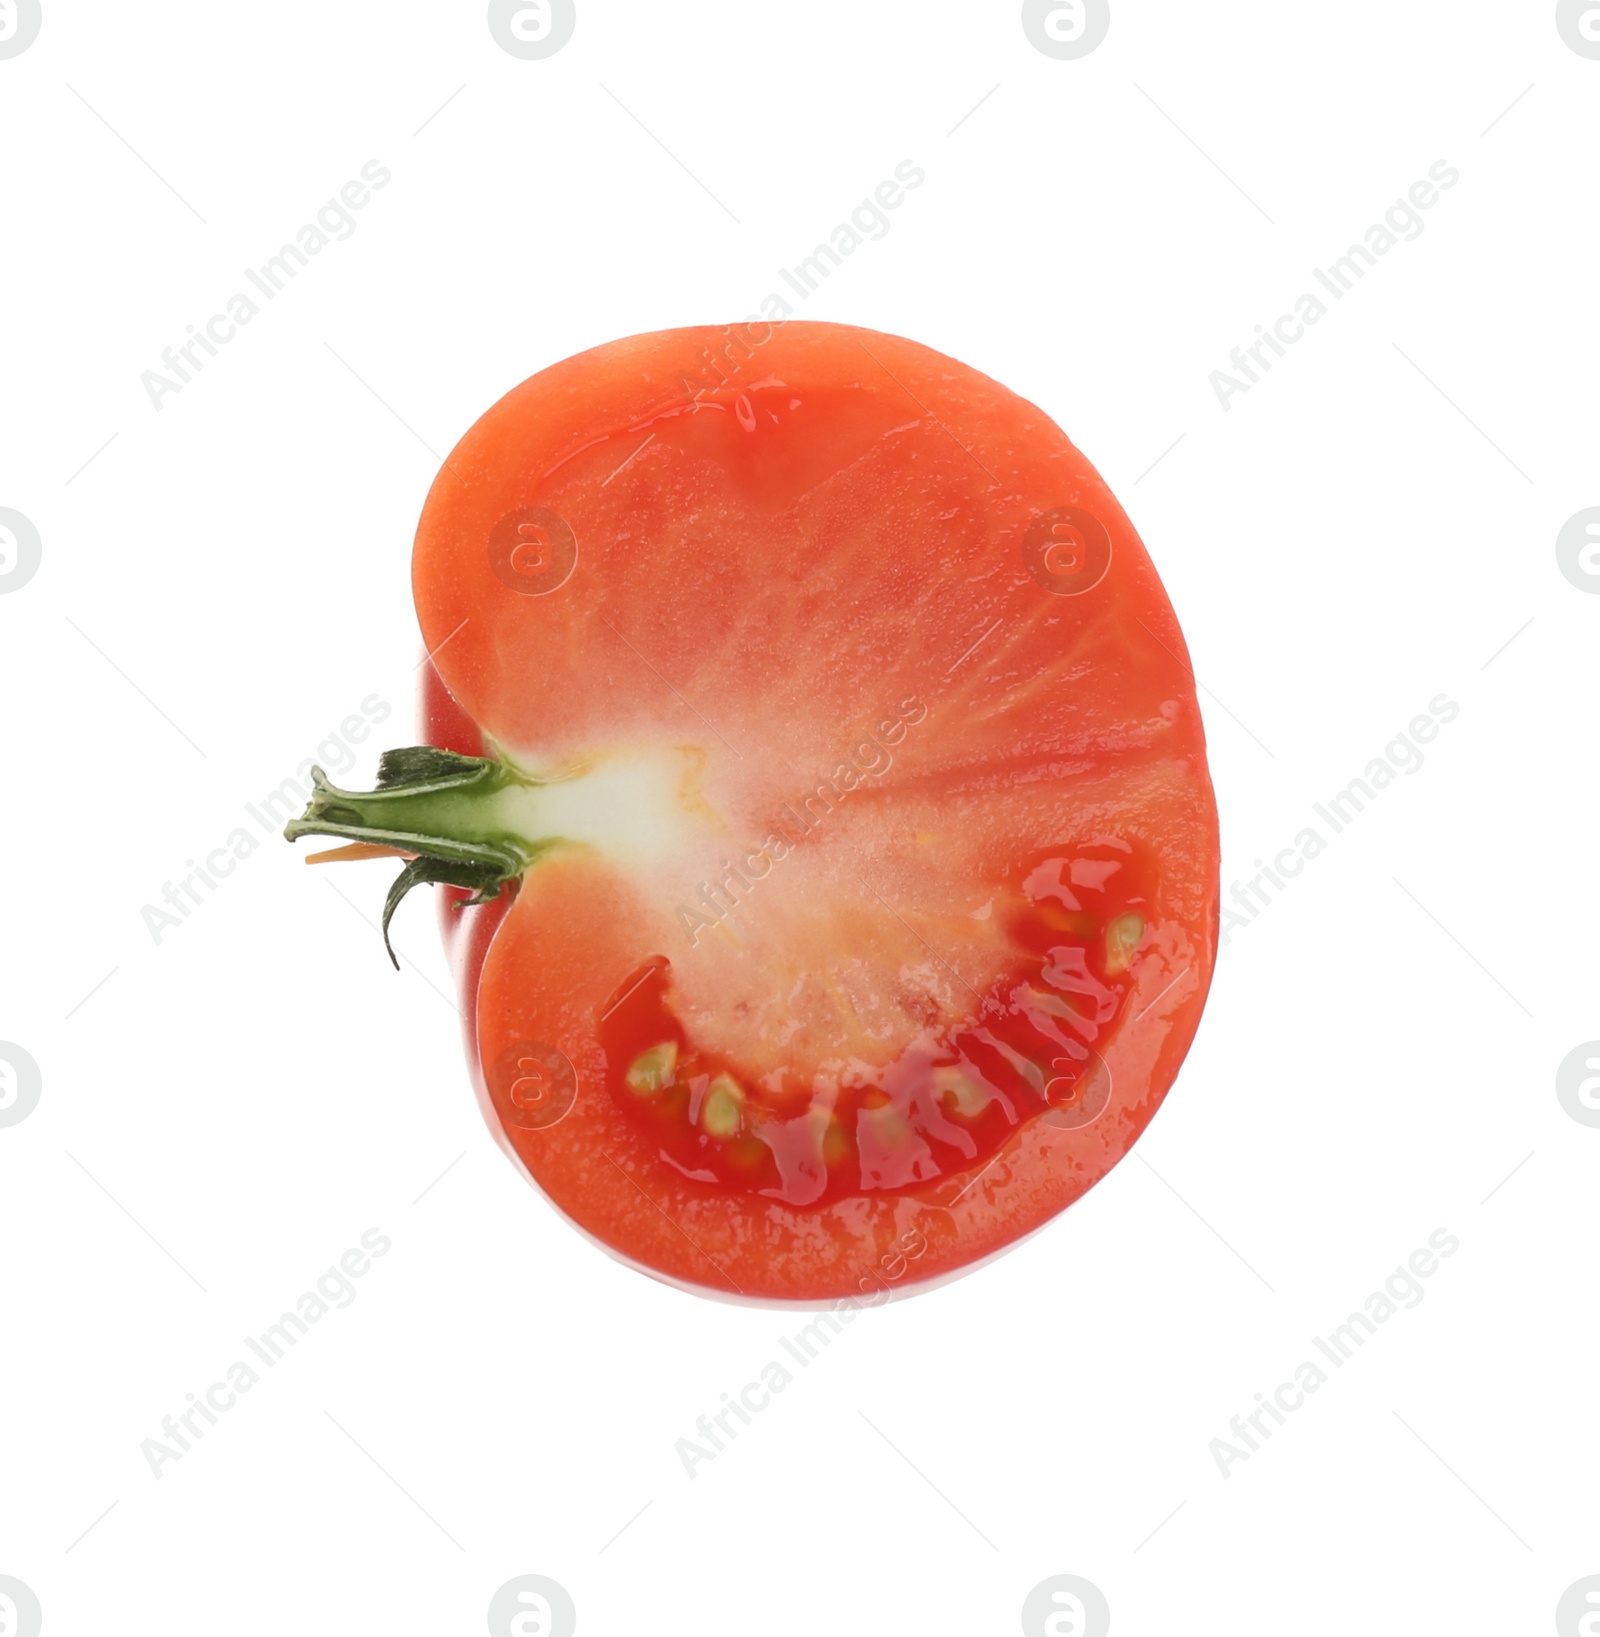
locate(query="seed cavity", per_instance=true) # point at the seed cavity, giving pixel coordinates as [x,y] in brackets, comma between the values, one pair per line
[1122,938]
[722,1109]
[885,1130]
[1041,1000]
[1075,922]
[652,1070]
[836,1144]
[960,1091]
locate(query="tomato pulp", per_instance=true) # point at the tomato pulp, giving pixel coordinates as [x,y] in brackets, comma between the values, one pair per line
[871,855]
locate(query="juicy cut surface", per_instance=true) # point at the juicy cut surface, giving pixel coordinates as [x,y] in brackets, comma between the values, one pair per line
[879,800]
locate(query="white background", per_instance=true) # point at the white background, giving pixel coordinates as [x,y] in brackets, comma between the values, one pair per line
[224,581]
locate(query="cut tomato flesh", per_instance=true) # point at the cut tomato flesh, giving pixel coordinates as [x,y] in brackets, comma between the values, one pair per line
[804,1132]
[887,896]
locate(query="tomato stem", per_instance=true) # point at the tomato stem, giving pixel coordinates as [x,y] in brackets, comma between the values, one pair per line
[450,812]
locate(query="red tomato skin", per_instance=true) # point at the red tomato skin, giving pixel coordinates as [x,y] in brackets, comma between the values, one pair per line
[1042,1169]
